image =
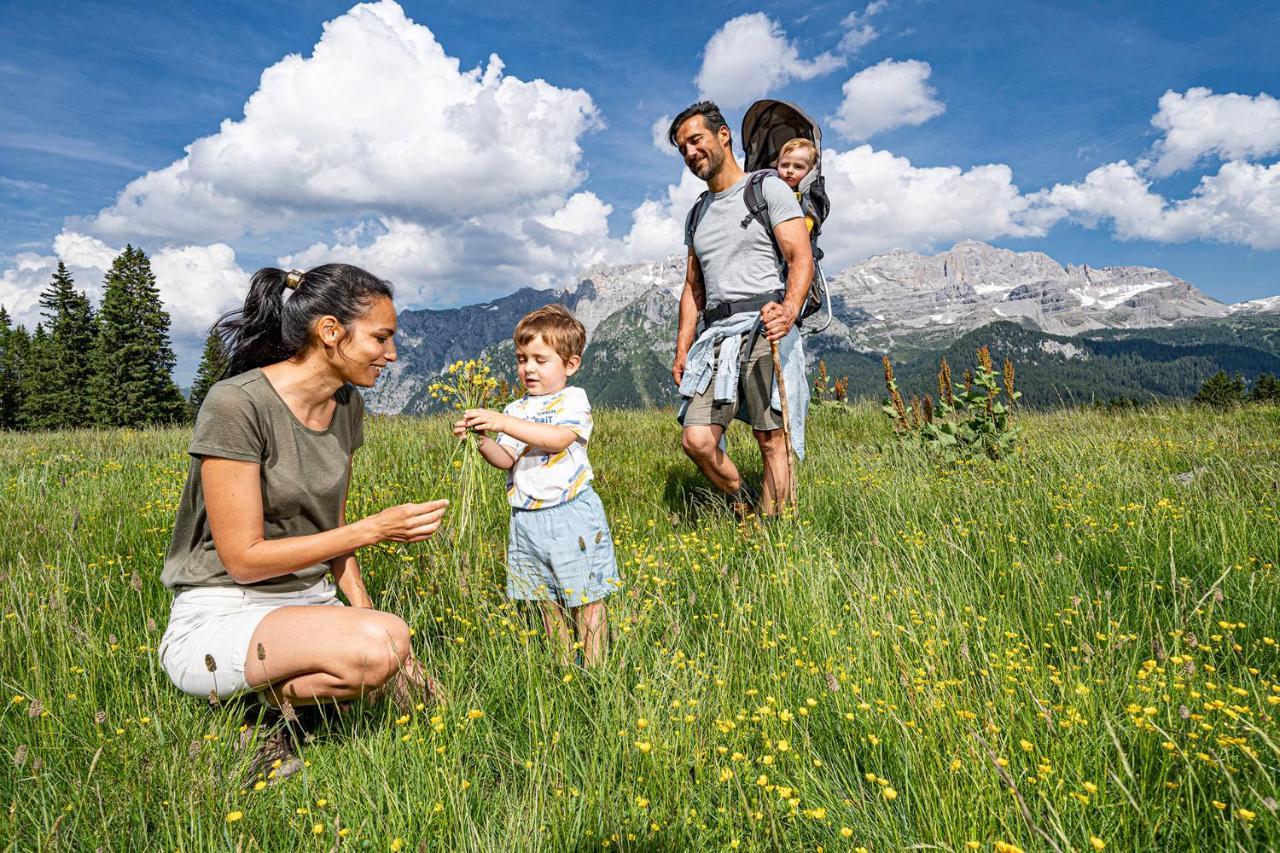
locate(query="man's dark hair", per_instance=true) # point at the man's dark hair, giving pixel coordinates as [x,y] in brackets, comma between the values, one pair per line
[709,112]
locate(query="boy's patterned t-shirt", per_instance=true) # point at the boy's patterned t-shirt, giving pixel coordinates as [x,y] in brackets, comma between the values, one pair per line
[540,478]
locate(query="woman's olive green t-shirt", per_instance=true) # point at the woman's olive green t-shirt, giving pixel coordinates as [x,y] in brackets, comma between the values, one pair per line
[303,474]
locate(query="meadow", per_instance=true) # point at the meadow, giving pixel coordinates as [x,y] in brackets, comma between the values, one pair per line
[1072,649]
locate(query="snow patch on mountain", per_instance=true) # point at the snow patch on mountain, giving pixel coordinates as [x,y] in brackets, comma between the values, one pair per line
[1109,297]
[1257,306]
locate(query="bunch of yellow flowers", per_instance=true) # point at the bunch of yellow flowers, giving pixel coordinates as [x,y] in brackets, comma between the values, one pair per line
[471,385]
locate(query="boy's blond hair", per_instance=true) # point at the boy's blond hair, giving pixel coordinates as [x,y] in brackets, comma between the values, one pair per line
[798,143]
[559,328]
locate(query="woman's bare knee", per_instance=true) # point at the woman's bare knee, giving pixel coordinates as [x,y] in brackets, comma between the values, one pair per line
[375,650]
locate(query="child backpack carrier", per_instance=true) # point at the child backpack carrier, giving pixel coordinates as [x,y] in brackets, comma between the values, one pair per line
[767,126]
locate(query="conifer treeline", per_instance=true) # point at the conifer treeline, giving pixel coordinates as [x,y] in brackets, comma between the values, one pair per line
[85,368]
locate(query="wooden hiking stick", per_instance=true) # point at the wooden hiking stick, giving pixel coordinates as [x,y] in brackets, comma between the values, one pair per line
[792,485]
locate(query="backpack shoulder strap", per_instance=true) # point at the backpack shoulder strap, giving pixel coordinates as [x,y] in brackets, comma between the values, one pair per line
[695,215]
[753,198]
[758,207]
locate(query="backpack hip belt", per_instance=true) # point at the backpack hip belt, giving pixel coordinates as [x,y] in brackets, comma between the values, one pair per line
[723,310]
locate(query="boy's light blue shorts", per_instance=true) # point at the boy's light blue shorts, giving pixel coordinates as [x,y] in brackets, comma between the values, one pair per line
[562,553]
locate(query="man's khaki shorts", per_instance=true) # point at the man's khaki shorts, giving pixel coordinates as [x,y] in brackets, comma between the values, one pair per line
[755,391]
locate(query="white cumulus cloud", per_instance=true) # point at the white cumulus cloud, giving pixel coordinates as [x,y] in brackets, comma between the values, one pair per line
[657,225]
[455,183]
[1199,124]
[858,29]
[1239,204]
[659,129]
[750,56]
[471,261]
[378,118]
[887,95]
[881,201]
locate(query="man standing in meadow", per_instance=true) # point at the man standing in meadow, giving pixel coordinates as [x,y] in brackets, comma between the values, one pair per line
[733,281]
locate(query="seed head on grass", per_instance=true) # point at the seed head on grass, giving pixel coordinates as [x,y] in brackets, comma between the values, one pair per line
[901,423]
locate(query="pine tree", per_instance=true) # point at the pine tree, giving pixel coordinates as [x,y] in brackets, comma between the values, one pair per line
[72,330]
[213,366]
[132,359]
[1266,389]
[13,350]
[36,411]
[1221,391]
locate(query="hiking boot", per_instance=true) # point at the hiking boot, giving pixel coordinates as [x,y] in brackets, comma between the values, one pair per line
[276,758]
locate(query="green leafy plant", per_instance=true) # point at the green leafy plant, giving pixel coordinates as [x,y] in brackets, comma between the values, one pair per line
[968,420]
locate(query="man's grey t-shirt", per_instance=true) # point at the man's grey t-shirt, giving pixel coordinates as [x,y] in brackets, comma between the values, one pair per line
[739,263]
[303,474]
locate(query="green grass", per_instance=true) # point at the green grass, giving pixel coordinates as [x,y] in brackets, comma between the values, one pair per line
[1078,614]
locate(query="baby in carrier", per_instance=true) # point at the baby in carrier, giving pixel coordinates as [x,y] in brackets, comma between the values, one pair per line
[797,159]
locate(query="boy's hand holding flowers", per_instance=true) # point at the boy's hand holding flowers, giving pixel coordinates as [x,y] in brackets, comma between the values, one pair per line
[480,420]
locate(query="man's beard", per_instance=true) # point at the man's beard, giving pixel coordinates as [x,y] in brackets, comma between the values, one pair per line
[711,167]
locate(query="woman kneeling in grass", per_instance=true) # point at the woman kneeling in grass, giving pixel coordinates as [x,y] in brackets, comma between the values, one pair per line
[262,518]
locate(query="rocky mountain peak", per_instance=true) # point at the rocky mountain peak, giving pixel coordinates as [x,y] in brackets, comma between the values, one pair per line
[894,299]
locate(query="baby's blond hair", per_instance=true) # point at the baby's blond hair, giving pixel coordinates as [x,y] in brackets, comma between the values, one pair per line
[798,143]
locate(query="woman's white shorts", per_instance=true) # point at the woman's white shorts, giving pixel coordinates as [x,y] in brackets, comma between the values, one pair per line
[205,647]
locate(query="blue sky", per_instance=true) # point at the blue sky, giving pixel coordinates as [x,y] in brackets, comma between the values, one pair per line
[95,95]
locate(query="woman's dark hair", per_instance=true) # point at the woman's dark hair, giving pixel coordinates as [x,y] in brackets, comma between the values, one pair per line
[271,328]
[709,112]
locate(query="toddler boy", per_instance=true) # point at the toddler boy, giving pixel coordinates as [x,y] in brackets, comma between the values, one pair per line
[559,550]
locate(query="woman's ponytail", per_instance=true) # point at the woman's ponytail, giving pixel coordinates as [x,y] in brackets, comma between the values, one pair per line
[271,328]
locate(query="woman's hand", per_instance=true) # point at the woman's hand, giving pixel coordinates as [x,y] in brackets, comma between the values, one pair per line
[406,522]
